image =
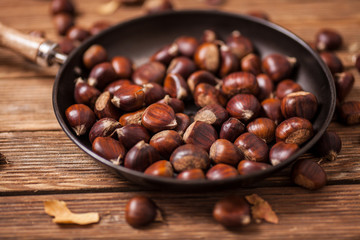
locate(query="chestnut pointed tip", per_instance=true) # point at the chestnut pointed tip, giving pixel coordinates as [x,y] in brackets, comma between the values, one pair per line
[80,130]
[173,124]
[92,82]
[292,60]
[116,101]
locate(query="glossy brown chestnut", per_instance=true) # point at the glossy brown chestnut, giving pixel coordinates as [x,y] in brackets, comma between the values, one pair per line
[251,63]
[328,146]
[286,87]
[308,174]
[224,151]
[282,151]
[188,157]
[200,134]
[201,76]
[209,35]
[141,156]
[299,104]
[239,45]
[294,130]
[101,75]
[165,142]
[266,86]
[123,66]
[114,86]
[77,33]
[183,66]
[98,27]
[132,117]
[140,211]
[149,72]
[213,114]
[229,62]
[240,82]
[278,66]
[158,117]
[350,112]
[183,122]
[187,45]
[344,82]
[105,127]
[162,168]
[248,167]
[328,39]
[84,93]
[166,54]
[231,129]
[94,55]
[63,22]
[176,87]
[153,93]
[271,108]
[206,94]
[207,57]
[176,104]
[244,107]
[221,171]
[264,128]
[104,108]
[232,211]
[62,6]
[157,6]
[191,174]
[332,61]
[131,134]
[129,98]
[80,118]
[66,46]
[109,149]
[253,147]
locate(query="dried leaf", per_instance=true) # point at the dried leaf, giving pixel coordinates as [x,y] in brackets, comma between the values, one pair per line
[62,214]
[261,209]
[109,7]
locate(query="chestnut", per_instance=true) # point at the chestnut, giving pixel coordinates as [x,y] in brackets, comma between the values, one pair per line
[264,128]
[165,142]
[299,104]
[114,86]
[149,72]
[62,6]
[286,87]
[80,118]
[98,27]
[140,211]
[131,134]
[132,117]
[63,22]
[350,112]
[328,39]
[253,147]
[94,55]
[206,94]
[187,45]
[207,57]
[278,66]
[153,93]
[157,6]
[162,168]
[294,130]
[182,65]
[183,122]
[251,63]
[105,127]
[191,174]
[221,171]
[109,149]
[229,62]
[200,134]
[332,61]
[176,87]
[239,44]
[231,129]
[248,167]
[101,75]
[201,76]
[84,93]
[281,151]
[166,54]
[224,151]
[141,156]
[158,117]
[232,211]
[308,174]
[189,156]
[244,107]
[176,104]
[77,33]
[213,114]
[123,66]
[271,108]
[266,86]
[129,98]
[209,35]
[104,108]
[66,46]
[240,82]
[344,82]
[328,146]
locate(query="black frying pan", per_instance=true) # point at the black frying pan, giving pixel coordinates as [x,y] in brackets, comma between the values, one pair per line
[140,37]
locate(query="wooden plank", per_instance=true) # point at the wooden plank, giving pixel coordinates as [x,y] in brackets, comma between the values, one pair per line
[330,213]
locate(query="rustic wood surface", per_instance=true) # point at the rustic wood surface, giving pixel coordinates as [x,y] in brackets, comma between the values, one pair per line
[42,163]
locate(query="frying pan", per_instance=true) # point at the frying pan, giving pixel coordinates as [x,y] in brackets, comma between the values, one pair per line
[140,37]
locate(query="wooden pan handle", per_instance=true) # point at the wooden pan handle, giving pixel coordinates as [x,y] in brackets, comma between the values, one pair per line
[36,49]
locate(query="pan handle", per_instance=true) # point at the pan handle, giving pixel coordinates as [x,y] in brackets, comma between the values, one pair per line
[38,50]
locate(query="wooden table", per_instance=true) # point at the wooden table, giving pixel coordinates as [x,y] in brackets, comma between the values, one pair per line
[44,164]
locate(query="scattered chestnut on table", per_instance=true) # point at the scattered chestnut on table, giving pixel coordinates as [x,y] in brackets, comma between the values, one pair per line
[328,146]
[350,112]
[328,39]
[140,211]
[308,174]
